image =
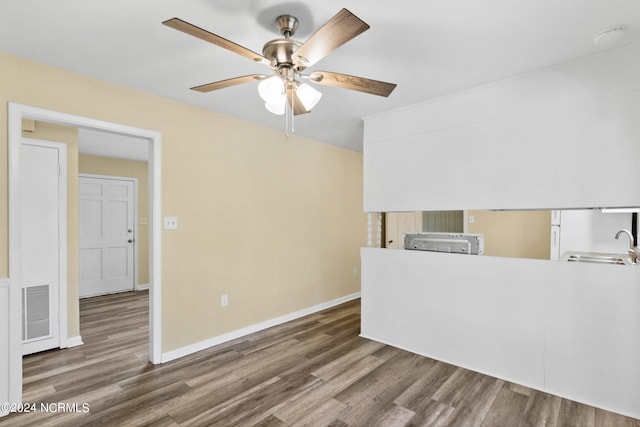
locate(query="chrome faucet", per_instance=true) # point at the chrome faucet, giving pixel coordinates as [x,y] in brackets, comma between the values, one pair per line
[633,255]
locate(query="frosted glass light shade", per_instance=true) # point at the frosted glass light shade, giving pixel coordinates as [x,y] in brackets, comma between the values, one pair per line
[271,89]
[308,96]
[276,107]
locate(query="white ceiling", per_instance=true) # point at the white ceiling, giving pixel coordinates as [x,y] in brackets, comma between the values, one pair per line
[428,47]
[109,144]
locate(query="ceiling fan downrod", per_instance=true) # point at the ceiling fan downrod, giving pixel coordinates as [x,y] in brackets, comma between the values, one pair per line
[287,25]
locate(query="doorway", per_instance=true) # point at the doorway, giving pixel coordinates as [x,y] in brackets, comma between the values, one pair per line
[17,112]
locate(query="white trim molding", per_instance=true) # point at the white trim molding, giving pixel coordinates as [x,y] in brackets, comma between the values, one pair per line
[5,289]
[16,112]
[74,341]
[142,287]
[220,339]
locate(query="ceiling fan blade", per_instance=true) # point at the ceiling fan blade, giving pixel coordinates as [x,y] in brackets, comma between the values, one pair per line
[192,30]
[334,33]
[228,82]
[345,81]
[294,101]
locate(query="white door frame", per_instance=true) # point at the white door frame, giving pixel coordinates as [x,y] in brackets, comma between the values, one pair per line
[16,112]
[62,234]
[135,215]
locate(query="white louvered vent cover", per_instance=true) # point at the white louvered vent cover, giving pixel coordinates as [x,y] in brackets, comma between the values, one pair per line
[35,312]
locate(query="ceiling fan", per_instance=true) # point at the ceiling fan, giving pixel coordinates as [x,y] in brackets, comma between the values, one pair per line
[288,58]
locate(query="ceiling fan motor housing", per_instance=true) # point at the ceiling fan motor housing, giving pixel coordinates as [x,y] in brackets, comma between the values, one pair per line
[280,52]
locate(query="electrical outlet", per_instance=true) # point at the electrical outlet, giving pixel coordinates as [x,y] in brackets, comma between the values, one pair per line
[224,300]
[170,222]
[355,271]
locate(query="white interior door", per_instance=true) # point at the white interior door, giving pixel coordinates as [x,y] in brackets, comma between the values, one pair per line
[40,210]
[107,236]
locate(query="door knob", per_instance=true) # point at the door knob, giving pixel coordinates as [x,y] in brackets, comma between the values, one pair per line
[130,240]
[129,231]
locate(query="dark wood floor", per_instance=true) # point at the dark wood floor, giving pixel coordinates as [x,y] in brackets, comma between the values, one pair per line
[314,371]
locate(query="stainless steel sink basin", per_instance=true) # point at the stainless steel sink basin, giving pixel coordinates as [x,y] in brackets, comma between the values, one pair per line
[596,258]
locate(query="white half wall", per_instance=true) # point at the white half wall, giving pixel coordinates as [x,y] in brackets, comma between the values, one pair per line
[568,329]
[563,137]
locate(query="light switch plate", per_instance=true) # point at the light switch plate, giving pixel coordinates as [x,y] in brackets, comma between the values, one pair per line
[170,222]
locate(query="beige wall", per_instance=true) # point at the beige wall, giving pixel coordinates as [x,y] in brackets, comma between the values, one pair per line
[134,169]
[69,136]
[276,223]
[520,234]
[97,165]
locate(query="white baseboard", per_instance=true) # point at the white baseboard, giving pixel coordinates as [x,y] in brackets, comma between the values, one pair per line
[142,287]
[211,342]
[74,341]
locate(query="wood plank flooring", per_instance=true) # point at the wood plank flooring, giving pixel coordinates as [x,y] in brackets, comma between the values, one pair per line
[314,371]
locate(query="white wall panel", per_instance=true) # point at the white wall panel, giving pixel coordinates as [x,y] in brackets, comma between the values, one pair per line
[461,309]
[573,156]
[594,77]
[562,137]
[592,341]
[569,329]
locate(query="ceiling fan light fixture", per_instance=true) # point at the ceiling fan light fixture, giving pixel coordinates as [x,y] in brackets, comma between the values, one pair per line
[272,92]
[308,95]
[271,89]
[278,107]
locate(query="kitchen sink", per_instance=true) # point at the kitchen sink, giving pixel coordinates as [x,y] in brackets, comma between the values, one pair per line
[595,258]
